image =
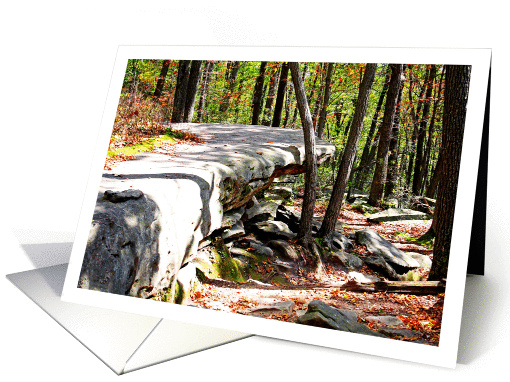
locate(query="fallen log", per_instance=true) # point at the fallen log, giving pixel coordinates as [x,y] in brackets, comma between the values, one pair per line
[412,287]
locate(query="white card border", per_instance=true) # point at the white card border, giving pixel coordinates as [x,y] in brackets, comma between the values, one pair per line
[443,355]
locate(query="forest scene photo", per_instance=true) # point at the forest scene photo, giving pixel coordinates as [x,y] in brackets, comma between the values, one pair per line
[314,193]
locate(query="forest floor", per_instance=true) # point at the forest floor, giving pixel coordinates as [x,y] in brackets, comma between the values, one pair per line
[421,313]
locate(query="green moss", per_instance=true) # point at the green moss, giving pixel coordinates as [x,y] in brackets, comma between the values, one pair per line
[148,144]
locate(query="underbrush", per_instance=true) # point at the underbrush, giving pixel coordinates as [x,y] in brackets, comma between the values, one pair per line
[142,127]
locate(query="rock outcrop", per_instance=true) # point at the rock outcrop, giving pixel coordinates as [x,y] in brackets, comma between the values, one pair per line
[184,199]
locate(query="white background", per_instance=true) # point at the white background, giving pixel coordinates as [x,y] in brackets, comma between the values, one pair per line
[55,69]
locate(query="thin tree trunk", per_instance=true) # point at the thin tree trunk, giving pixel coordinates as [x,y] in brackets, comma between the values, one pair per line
[456,95]
[280,96]
[305,226]
[430,139]
[270,94]
[325,102]
[203,92]
[419,160]
[161,80]
[134,84]
[392,175]
[364,163]
[344,170]
[257,94]
[381,165]
[230,78]
[191,92]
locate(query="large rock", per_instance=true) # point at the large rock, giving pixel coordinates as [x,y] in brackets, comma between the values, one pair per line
[398,214]
[324,316]
[122,246]
[345,259]
[289,217]
[273,230]
[191,191]
[261,212]
[284,249]
[379,246]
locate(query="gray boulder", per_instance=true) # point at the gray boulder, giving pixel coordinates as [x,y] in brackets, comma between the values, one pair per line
[378,264]
[289,217]
[273,230]
[285,251]
[253,246]
[283,306]
[231,217]
[324,316]
[398,214]
[122,245]
[236,230]
[261,212]
[379,246]
[345,259]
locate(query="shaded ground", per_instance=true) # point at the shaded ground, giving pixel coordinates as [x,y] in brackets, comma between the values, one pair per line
[421,313]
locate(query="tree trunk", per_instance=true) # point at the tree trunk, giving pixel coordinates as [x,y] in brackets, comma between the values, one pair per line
[305,226]
[257,94]
[230,78]
[414,116]
[161,80]
[191,92]
[280,96]
[364,163]
[203,92]
[381,165]
[270,94]
[392,175]
[134,84]
[180,91]
[419,159]
[325,102]
[430,138]
[456,95]
[344,170]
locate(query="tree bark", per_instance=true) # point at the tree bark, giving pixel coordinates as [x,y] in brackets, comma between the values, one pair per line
[270,94]
[180,91]
[456,95]
[419,159]
[344,170]
[364,163]
[381,165]
[280,96]
[230,78]
[191,92]
[392,175]
[161,80]
[325,102]
[305,226]
[203,91]
[257,94]
[134,84]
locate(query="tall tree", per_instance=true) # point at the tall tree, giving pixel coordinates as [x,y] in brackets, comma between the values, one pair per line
[180,91]
[257,94]
[325,102]
[456,95]
[230,78]
[191,92]
[305,226]
[134,83]
[280,95]
[392,174]
[203,91]
[344,170]
[162,78]
[364,163]
[419,159]
[270,94]
[381,164]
